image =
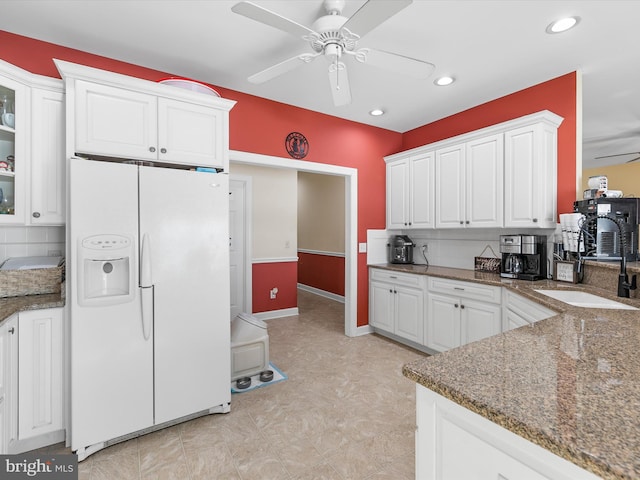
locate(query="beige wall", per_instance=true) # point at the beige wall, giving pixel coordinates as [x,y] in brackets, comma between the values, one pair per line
[625,177]
[274,207]
[321,212]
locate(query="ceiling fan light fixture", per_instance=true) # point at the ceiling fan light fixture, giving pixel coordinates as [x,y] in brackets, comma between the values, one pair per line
[444,81]
[562,25]
[376,112]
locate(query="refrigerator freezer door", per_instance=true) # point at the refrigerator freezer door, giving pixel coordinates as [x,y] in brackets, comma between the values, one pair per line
[184,214]
[111,363]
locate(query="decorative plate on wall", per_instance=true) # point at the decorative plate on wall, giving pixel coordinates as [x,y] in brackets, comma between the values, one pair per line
[297,145]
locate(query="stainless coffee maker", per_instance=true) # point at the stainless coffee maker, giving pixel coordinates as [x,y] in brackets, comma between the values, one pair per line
[523,256]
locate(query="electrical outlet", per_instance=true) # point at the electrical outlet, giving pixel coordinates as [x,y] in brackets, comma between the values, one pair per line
[273,292]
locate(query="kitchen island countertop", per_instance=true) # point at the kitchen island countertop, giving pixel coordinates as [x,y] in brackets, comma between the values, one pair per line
[570,383]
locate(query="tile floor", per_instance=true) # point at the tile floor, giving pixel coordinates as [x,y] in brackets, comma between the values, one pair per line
[345,412]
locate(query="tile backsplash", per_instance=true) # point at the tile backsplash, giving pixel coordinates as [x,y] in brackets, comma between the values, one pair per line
[27,241]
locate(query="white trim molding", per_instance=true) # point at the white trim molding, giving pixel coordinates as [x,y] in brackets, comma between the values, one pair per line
[320,252]
[272,314]
[322,293]
[351,328]
[274,260]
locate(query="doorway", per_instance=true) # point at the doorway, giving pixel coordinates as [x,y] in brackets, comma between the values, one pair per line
[351,195]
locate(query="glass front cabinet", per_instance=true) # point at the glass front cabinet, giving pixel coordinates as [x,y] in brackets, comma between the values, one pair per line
[13,154]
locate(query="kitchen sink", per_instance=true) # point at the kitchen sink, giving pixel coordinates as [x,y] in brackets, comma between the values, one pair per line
[585,300]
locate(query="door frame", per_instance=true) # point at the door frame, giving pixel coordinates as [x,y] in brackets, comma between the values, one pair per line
[350,175]
[248,235]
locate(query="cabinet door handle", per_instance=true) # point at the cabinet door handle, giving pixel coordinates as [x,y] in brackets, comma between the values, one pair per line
[461,222]
[461,306]
[455,305]
[152,149]
[535,220]
[35,214]
[390,290]
[11,330]
[458,288]
[163,150]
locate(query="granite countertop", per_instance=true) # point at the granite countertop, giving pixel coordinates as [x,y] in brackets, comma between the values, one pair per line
[11,305]
[570,383]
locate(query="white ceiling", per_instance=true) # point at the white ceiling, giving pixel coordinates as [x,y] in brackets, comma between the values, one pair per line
[492,47]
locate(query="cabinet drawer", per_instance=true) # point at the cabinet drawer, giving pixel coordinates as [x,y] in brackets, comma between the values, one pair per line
[525,308]
[397,278]
[469,290]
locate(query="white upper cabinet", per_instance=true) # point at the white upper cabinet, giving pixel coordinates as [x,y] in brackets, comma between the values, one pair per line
[113,115]
[48,160]
[531,163]
[115,122]
[31,148]
[14,156]
[410,185]
[450,187]
[499,176]
[484,182]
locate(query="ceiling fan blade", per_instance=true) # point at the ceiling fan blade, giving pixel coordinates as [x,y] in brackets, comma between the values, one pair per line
[372,14]
[282,67]
[618,155]
[394,62]
[339,81]
[262,15]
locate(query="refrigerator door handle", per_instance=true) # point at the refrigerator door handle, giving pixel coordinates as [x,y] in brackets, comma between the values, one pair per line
[146,297]
[146,286]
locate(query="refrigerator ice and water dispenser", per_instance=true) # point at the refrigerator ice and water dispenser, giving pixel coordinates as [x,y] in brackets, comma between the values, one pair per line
[105,270]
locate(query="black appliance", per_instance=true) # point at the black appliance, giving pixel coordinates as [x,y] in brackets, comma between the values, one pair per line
[523,256]
[605,219]
[400,249]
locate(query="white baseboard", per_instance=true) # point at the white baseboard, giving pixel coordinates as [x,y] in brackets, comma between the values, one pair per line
[271,314]
[322,293]
[363,330]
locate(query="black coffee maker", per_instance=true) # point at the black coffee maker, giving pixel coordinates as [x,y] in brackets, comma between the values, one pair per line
[524,256]
[400,249]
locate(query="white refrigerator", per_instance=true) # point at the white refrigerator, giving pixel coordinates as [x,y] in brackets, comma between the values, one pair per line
[148,287]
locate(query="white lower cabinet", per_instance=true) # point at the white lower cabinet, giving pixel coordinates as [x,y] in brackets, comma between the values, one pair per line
[519,311]
[40,381]
[8,384]
[460,312]
[396,303]
[455,443]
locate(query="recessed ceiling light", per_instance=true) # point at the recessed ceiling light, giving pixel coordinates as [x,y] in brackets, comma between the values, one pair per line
[562,25]
[444,81]
[376,112]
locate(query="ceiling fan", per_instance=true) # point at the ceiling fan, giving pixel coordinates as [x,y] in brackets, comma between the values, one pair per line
[622,155]
[333,36]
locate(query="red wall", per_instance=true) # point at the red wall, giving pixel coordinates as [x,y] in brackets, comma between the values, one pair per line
[259,125]
[325,272]
[557,95]
[266,276]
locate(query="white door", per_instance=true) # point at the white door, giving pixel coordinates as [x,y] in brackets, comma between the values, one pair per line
[381,306]
[443,322]
[111,361]
[485,185]
[239,243]
[479,320]
[184,216]
[450,184]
